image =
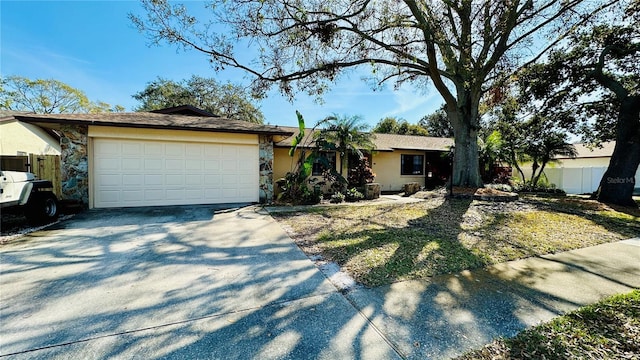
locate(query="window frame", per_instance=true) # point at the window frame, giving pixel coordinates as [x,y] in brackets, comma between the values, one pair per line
[413,172]
[317,165]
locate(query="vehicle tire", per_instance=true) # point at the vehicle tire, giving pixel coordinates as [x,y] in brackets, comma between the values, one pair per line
[42,207]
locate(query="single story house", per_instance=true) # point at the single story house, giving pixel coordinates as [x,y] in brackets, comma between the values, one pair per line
[149,159]
[582,174]
[396,159]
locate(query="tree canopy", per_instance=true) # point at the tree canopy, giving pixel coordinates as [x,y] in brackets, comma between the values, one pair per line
[463,48]
[391,125]
[47,96]
[437,123]
[591,84]
[228,100]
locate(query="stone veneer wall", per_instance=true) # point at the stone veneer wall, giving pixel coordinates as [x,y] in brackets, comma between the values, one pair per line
[266,169]
[74,165]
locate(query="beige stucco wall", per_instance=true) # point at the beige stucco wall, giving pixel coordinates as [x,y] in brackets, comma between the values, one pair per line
[386,166]
[17,137]
[282,162]
[172,135]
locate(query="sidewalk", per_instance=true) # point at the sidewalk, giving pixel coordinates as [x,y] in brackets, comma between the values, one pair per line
[452,314]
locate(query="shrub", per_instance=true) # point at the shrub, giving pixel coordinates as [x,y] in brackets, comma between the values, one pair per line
[502,177]
[353,195]
[337,198]
[500,186]
[311,197]
[361,174]
[542,187]
[297,190]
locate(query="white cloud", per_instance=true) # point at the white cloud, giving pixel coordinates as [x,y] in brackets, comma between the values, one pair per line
[410,101]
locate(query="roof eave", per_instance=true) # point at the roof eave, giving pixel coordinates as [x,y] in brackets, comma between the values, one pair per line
[58,121]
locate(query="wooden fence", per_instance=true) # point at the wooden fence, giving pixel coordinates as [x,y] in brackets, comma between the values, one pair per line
[47,167]
[44,167]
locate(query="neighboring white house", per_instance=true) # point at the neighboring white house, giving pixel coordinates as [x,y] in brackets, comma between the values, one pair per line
[581,174]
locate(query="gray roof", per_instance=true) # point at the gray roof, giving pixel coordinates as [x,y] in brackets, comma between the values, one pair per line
[152,121]
[9,113]
[184,110]
[307,141]
[383,142]
[390,142]
[586,151]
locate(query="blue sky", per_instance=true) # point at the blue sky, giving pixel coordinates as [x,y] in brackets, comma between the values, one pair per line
[92,46]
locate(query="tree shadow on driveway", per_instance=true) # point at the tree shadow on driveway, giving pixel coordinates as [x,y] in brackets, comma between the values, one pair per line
[180,282]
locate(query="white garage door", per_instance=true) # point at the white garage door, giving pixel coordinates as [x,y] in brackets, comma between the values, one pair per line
[149,173]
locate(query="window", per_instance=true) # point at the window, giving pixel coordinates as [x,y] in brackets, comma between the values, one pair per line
[412,164]
[320,165]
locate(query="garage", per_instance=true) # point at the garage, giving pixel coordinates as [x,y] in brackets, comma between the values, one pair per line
[177,156]
[150,173]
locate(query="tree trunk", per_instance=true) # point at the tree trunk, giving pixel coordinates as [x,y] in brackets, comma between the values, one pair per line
[514,161]
[535,181]
[618,182]
[466,123]
[534,168]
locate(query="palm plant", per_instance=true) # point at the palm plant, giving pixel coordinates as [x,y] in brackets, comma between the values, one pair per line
[294,185]
[546,144]
[523,137]
[490,149]
[346,135]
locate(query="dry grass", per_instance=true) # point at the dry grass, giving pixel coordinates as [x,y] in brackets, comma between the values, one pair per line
[607,330]
[385,243]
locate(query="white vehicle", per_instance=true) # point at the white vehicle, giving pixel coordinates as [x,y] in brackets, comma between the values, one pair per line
[21,191]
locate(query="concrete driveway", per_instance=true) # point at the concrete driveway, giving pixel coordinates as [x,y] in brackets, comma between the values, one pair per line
[175,282]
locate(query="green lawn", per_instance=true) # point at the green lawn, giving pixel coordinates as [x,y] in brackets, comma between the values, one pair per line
[607,330]
[380,244]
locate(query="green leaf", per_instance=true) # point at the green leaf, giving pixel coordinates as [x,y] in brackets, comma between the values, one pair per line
[307,166]
[298,139]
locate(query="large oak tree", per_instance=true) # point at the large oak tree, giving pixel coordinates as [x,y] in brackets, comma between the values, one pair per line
[461,47]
